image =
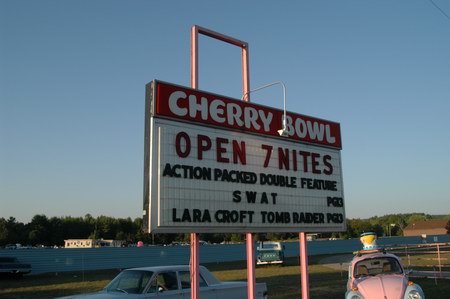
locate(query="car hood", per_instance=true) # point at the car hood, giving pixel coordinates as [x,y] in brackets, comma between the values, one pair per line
[382,286]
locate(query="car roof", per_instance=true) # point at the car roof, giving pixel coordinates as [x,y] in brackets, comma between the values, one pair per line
[207,276]
[373,256]
[163,268]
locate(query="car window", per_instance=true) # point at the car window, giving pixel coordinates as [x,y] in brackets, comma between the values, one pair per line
[130,282]
[185,278]
[375,266]
[144,281]
[153,286]
[166,281]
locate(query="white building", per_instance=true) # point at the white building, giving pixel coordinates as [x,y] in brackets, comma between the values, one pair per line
[92,243]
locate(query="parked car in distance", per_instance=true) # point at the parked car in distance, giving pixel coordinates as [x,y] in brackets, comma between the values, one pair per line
[171,282]
[11,266]
[269,253]
[380,275]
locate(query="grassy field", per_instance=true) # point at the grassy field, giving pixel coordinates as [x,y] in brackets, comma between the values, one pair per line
[282,282]
[426,261]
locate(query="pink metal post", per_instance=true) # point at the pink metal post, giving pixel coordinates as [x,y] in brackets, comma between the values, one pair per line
[304,265]
[245,72]
[251,277]
[194,265]
[194,57]
[245,89]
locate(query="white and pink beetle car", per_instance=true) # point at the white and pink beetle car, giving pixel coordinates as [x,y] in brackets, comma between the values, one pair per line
[375,274]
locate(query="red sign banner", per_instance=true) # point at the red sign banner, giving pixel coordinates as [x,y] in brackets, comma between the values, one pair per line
[186,104]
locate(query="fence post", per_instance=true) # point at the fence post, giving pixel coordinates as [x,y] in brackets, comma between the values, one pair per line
[439,260]
[435,275]
[407,255]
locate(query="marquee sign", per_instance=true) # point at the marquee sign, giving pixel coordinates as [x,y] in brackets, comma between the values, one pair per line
[215,164]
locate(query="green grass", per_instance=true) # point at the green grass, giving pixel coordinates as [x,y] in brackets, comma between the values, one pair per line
[52,285]
[283,282]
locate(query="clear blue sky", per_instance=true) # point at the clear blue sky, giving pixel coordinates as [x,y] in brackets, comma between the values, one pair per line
[72,89]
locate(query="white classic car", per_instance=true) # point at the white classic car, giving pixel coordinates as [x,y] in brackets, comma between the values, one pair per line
[171,282]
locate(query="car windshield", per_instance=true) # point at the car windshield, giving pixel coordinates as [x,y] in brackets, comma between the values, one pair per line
[269,246]
[376,266]
[130,282]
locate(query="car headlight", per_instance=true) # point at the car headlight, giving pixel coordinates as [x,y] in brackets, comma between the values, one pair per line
[355,297]
[414,295]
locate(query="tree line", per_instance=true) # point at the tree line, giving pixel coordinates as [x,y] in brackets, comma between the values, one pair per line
[44,231]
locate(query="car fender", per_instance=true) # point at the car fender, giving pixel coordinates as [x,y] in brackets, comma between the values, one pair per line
[351,293]
[413,287]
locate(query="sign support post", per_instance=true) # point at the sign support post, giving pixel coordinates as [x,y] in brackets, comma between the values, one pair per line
[304,271]
[245,90]
[194,265]
[251,277]
[195,246]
